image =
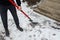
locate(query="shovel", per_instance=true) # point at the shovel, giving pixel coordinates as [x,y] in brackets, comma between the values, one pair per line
[32,23]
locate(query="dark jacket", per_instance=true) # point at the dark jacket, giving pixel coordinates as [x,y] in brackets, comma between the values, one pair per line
[7,3]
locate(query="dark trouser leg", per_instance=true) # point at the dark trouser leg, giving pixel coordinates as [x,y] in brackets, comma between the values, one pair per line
[3,12]
[14,14]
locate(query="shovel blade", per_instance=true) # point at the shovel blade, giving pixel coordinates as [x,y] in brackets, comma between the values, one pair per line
[33,24]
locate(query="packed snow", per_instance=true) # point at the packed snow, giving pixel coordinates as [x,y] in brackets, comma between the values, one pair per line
[43,31]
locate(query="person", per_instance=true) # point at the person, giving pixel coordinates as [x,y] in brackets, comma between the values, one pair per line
[4,6]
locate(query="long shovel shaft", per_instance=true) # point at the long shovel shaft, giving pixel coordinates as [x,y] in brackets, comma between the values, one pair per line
[25,14]
[14,4]
[33,23]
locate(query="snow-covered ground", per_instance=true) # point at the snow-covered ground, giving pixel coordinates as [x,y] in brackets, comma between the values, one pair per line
[43,31]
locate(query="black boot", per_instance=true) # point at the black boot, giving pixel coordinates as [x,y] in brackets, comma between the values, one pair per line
[20,28]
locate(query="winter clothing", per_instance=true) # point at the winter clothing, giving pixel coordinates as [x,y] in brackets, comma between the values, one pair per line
[4,6]
[7,3]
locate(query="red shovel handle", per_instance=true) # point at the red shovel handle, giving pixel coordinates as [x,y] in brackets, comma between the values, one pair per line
[14,4]
[25,14]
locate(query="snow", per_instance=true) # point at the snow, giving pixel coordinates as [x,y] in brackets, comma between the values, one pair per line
[44,31]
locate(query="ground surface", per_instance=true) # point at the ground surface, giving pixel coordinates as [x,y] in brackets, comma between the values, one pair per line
[49,8]
[43,31]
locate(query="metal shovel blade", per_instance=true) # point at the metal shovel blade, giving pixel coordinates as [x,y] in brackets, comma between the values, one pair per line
[33,24]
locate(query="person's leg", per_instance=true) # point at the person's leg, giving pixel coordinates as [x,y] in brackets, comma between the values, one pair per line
[14,14]
[3,12]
